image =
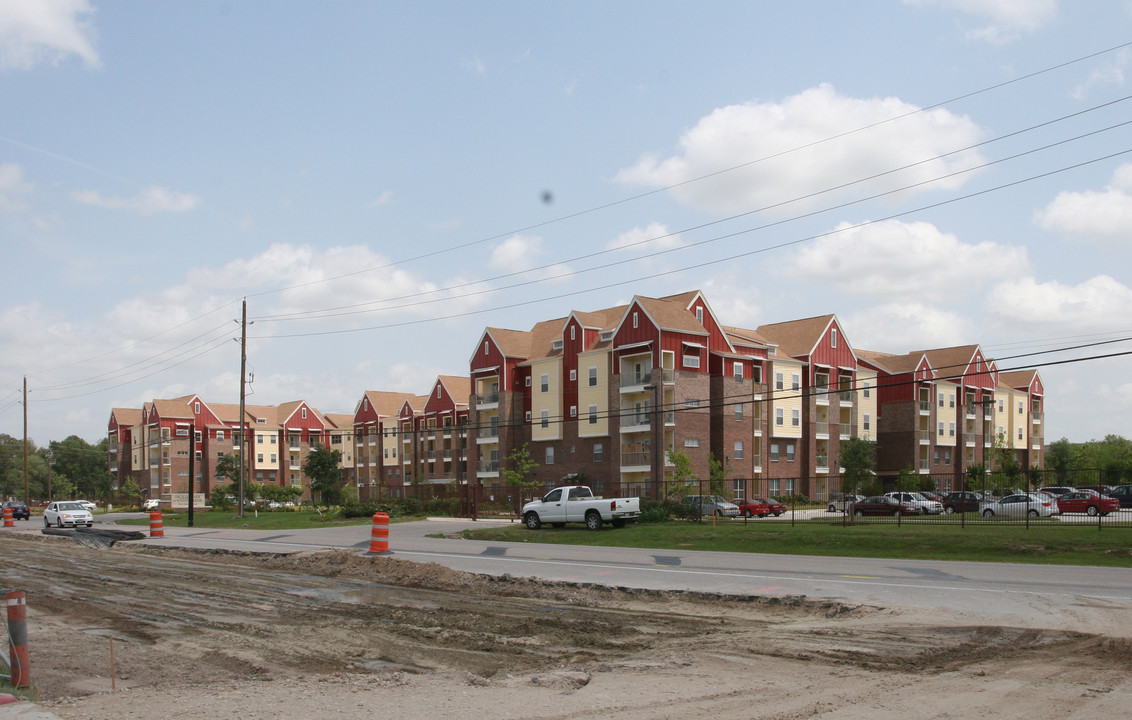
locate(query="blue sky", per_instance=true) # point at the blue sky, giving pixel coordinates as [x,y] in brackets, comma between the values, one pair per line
[383,180]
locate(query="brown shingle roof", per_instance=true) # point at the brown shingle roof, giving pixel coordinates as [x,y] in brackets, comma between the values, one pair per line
[387,403]
[458,386]
[672,315]
[797,338]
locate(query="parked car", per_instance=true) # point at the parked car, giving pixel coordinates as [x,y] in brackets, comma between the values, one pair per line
[1102,489]
[1057,490]
[87,504]
[67,512]
[915,499]
[884,505]
[773,507]
[1021,505]
[1123,494]
[1089,502]
[19,510]
[151,504]
[751,508]
[713,505]
[962,501]
[845,503]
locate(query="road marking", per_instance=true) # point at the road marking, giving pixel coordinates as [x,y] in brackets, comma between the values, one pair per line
[862,577]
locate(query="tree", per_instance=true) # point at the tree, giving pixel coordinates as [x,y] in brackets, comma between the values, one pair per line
[131,490]
[321,467]
[228,467]
[517,468]
[858,460]
[682,475]
[718,470]
[1059,458]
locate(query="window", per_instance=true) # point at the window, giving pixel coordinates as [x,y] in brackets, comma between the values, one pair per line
[700,314]
[527,381]
[795,381]
[274,439]
[738,452]
[946,457]
[778,417]
[692,360]
[833,337]
[274,458]
[573,374]
[790,452]
[550,455]
[737,370]
[598,452]
[544,416]
[1019,407]
[593,376]
[951,430]
[259,457]
[867,388]
[219,434]
[1019,433]
[774,452]
[796,417]
[304,413]
[544,383]
[778,381]
[573,411]
[181,432]
[941,399]
[196,408]
[1001,406]
[485,347]
[867,422]
[528,416]
[196,435]
[941,429]
[739,411]
[691,442]
[572,328]
[935,457]
[951,400]
[437,394]
[634,319]
[593,414]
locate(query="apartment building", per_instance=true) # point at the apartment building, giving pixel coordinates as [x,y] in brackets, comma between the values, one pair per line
[943,410]
[377,450]
[435,437]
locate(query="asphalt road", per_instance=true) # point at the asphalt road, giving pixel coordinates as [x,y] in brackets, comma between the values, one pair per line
[1007,593]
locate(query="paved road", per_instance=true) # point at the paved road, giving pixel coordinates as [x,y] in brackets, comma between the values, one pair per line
[1047,595]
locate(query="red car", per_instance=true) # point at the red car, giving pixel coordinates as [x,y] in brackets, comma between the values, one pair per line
[752,508]
[773,507]
[1089,502]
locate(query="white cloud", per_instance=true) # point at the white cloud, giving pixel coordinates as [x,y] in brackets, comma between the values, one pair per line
[1094,305]
[1093,214]
[894,259]
[35,31]
[13,187]
[901,327]
[151,200]
[1007,19]
[523,253]
[1109,73]
[384,198]
[790,154]
[654,237]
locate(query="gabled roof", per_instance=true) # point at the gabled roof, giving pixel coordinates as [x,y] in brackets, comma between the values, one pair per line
[340,421]
[126,417]
[605,319]
[512,343]
[1017,379]
[174,407]
[798,338]
[892,364]
[666,315]
[288,409]
[385,402]
[744,336]
[458,387]
[952,362]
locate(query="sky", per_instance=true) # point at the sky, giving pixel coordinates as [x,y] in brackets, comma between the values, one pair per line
[383,180]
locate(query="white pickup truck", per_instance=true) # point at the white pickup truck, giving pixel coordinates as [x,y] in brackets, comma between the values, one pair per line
[577,503]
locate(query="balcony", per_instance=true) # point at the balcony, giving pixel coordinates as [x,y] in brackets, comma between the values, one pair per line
[845,397]
[822,461]
[757,426]
[487,435]
[635,382]
[637,422]
[486,400]
[487,467]
[925,407]
[821,395]
[822,430]
[925,437]
[634,457]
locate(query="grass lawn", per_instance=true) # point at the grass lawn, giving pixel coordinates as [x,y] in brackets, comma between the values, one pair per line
[265,520]
[1057,545]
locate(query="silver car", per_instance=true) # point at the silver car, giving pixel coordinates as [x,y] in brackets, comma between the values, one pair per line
[64,513]
[845,504]
[915,499]
[714,505]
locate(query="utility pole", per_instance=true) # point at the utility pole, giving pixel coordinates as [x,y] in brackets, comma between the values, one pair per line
[27,494]
[243,375]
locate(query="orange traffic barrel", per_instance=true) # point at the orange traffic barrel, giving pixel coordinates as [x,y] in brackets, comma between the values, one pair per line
[156,526]
[379,536]
[18,639]
[9,520]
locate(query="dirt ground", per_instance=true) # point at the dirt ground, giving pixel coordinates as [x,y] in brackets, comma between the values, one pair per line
[336,634]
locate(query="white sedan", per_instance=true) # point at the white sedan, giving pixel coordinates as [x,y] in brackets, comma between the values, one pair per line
[1021,505]
[67,512]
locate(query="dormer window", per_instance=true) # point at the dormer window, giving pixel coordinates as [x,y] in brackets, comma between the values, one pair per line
[556,344]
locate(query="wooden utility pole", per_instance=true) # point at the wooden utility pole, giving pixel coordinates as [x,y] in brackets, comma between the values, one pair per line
[243,375]
[27,494]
